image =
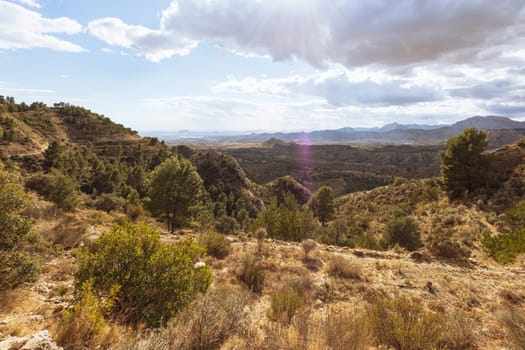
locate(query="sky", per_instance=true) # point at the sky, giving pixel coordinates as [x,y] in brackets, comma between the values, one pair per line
[272,65]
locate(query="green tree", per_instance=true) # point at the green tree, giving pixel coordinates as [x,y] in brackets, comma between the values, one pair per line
[148,281]
[463,166]
[286,220]
[51,154]
[322,204]
[64,191]
[174,188]
[16,266]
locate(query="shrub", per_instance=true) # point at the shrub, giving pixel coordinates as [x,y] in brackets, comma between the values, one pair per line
[134,211]
[109,202]
[16,266]
[209,321]
[444,246]
[84,326]
[216,244]
[344,329]
[227,225]
[308,245]
[403,231]
[405,324]
[513,320]
[505,247]
[342,268]
[252,274]
[151,280]
[284,305]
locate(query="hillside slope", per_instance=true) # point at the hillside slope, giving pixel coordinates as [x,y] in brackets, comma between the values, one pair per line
[29,130]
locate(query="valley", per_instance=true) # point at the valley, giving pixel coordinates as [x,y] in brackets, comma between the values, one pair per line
[272,245]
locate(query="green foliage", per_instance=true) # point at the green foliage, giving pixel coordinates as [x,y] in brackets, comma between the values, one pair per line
[216,244]
[505,247]
[463,166]
[284,304]
[515,217]
[109,202]
[402,230]
[175,188]
[252,274]
[84,324]
[286,220]
[431,190]
[63,191]
[150,281]
[226,224]
[16,266]
[52,154]
[322,204]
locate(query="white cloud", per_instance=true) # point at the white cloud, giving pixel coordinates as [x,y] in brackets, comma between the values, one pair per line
[340,87]
[30,3]
[349,32]
[21,28]
[154,45]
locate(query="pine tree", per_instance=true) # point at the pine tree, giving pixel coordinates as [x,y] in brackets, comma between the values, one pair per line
[463,165]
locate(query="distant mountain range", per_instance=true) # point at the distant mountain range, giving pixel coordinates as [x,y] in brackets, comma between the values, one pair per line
[502,131]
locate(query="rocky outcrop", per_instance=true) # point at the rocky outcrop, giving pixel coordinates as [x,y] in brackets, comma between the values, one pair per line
[38,341]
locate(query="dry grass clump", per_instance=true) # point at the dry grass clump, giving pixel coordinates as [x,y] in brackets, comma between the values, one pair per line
[84,326]
[405,324]
[284,304]
[216,244]
[346,329]
[341,267]
[206,324]
[513,319]
[252,274]
[68,232]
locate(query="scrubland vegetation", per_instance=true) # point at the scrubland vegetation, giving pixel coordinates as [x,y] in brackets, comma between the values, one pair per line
[130,244]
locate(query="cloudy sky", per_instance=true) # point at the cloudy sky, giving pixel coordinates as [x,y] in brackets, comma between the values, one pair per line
[267,64]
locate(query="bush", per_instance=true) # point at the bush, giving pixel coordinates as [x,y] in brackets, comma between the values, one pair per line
[209,321]
[342,268]
[308,245]
[505,247]
[405,324]
[513,320]
[151,280]
[109,202]
[216,244]
[344,329]
[403,231]
[227,225]
[444,246]
[84,326]
[17,268]
[252,274]
[134,211]
[284,305]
